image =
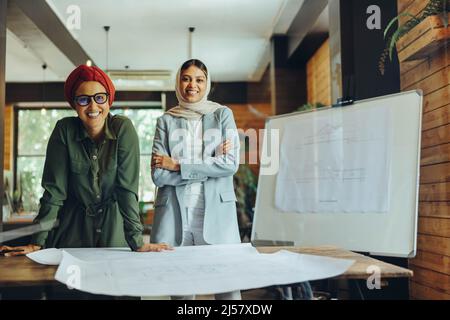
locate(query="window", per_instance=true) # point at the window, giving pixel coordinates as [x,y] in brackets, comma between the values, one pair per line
[34,130]
[144,120]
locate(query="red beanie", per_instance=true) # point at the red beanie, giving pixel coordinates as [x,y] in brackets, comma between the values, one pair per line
[84,73]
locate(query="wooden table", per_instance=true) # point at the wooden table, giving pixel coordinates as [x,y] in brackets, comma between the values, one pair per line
[21,218]
[21,271]
[357,271]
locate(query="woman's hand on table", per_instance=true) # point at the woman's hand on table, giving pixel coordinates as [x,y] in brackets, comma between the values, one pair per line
[19,251]
[154,247]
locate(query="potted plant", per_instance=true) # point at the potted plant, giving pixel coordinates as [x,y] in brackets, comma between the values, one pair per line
[434,16]
[245,182]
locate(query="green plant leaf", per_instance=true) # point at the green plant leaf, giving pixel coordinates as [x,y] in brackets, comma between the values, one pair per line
[395,37]
[391,23]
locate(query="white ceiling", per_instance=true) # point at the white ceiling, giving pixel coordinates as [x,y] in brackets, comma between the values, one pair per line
[231,36]
[22,63]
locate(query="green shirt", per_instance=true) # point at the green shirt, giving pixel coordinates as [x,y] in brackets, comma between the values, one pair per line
[90,197]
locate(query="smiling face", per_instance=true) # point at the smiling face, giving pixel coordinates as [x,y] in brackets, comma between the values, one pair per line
[94,114]
[193,84]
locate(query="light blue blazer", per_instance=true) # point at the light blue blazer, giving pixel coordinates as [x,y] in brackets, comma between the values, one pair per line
[220,224]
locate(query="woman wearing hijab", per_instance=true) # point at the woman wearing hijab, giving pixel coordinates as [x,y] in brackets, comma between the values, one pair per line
[91,174]
[195,155]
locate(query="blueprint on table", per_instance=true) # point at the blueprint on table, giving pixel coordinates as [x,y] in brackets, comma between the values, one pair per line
[185,270]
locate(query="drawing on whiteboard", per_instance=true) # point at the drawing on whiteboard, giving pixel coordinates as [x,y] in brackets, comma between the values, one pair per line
[321,172]
[336,164]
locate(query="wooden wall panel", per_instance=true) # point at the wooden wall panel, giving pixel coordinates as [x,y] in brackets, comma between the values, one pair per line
[425,68]
[435,209]
[439,281]
[436,136]
[436,118]
[251,116]
[8,137]
[435,173]
[432,83]
[436,99]
[434,192]
[431,266]
[436,154]
[413,7]
[403,4]
[318,76]
[434,226]
[419,291]
[431,261]
[434,244]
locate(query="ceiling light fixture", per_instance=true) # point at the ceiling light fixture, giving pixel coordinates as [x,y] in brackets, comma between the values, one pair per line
[44,68]
[107,47]
[191,32]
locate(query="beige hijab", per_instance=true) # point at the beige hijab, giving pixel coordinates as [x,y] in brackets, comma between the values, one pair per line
[195,110]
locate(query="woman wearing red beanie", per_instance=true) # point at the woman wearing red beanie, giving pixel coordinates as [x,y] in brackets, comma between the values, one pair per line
[91,174]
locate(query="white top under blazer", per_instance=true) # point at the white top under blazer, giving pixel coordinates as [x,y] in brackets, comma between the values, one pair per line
[194,193]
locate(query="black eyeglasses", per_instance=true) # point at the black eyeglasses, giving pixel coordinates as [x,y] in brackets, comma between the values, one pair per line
[84,100]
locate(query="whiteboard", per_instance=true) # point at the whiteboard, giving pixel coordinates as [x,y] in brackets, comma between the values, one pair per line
[391,232]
